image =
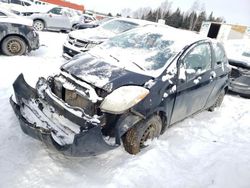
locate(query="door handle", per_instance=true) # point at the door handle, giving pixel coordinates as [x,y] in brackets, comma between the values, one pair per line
[212,75]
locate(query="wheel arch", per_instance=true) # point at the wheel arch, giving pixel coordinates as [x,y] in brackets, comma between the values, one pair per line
[124,123]
[128,120]
[73,25]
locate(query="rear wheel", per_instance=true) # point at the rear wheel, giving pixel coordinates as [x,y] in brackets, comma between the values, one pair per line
[218,101]
[14,45]
[136,138]
[38,25]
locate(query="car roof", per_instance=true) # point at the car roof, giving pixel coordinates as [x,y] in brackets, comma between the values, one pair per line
[137,21]
[181,37]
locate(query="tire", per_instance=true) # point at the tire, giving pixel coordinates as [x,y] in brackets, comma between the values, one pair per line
[218,101]
[14,45]
[135,139]
[64,31]
[74,27]
[38,25]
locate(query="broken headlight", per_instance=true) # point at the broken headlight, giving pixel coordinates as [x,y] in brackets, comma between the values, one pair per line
[123,98]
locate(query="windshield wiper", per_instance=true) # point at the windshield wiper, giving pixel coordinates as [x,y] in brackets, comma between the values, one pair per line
[114,58]
[138,66]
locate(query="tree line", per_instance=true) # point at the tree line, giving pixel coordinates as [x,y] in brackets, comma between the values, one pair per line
[191,19]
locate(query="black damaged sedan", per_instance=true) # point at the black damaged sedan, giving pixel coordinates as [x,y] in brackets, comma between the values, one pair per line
[128,90]
[17,36]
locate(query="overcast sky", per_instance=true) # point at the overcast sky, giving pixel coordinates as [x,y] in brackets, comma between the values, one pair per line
[233,11]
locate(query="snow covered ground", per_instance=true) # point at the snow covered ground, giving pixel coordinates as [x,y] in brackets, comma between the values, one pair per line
[205,151]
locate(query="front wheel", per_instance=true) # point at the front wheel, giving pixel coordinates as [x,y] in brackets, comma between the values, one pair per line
[136,138]
[38,25]
[14,45]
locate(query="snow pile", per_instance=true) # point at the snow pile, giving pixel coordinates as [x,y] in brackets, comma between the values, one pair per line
[207,150]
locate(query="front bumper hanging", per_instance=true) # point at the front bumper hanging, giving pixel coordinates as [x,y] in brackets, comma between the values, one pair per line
[88,142]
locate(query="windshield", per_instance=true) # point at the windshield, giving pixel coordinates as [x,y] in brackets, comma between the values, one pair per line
[102,21]
[149,51]
[118,26]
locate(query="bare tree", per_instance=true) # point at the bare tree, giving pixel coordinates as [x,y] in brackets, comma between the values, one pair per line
[141,12]
[126,12]
[195,10]
[164,8]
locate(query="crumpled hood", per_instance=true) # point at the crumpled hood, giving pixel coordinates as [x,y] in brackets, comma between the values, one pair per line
[93,34]
[17,20]
[98,72]
[21,21]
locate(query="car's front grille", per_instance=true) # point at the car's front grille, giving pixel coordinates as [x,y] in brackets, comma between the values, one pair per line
[78,43]
[69,51]
[73,95]
[75,99]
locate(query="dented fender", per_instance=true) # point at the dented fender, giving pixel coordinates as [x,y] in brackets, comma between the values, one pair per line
[124,124]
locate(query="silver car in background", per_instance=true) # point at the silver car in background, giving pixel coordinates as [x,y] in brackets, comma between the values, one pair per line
[79,41]
[56,18]
[238,52]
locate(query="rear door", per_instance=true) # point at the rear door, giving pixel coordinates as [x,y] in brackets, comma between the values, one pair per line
[220,71]
[58,18]
[196,81]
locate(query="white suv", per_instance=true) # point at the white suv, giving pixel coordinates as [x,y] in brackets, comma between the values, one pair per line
[56,18]
[82,40]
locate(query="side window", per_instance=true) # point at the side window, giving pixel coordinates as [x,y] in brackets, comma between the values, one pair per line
[220,55]
[2,14]
[197,61]
[56,10]
[88,19]
[67,13]
[25,3]
[18,2]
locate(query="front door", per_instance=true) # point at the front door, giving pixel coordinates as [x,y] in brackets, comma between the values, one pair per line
[195,81]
